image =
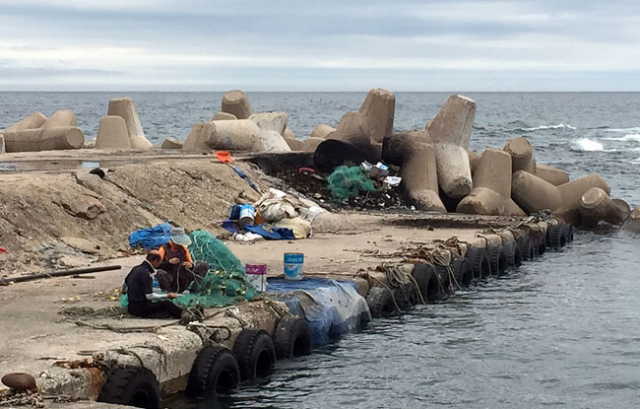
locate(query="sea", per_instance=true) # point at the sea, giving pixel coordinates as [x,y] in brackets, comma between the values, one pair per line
[560,331]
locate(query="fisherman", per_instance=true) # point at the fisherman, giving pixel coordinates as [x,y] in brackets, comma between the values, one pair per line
[177,271]
[143,302]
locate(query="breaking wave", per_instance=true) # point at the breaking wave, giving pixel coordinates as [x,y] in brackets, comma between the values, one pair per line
[626,138]
[541,127]
[586,145]
[624,130]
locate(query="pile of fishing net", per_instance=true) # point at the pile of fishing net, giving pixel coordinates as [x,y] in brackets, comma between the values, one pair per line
[225,283]
[347,182]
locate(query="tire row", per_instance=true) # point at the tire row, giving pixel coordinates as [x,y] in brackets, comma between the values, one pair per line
[217,370]
[435,282]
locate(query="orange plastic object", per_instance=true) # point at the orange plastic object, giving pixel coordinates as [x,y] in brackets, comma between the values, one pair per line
[224,156]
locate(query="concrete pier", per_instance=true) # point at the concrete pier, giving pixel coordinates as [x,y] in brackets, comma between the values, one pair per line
[69,332]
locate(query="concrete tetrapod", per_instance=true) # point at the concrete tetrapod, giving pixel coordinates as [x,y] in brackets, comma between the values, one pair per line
[454,173]
[33,121]
[420,179]
[534,194]
[633,221]
[397,147]
[171,143]
[126,108]
[113,134]
[322,131]
[596,205]
[454,122]
[271,121]
[417,168]
[288,133]
[474,161]
[294,143]
[60,118]
[349,144]
[378,112]
[243,135]
[237,103]
[572,191]
[198,137]
[223,116]
[521,153]
[33,140]
[492,187]
[552,175]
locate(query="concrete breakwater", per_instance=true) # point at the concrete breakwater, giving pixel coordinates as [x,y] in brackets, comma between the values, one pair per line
[439,171]
[89,357]
[471,224]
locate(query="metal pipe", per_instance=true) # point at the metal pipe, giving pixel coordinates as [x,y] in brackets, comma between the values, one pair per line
[63,273]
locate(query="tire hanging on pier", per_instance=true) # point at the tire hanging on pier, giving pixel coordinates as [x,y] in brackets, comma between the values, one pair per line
[380,302]
[479,262]
[497,259]
[514,254]
[557,236]
[292,337]
[406,295]
[428,282]
[462,271]
[214,372]
[527,248]
[136,386]
[255,353]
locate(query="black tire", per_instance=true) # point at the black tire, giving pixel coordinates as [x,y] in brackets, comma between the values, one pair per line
[497,259]
[462,271]
[569,230]
[557,236]
[514,255]
[255,354]
[380,302]
[541,246]
[292,337]
[214,372]
[428,282]
[132,387]
[406,295]
[479,262]
[524,243]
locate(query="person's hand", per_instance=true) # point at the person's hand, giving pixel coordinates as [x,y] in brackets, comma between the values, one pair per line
[187,264]
[174,260]
[171,296]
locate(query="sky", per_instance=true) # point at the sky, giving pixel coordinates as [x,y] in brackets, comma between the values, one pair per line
[324,45]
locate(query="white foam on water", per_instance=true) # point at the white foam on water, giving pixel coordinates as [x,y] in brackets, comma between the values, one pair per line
[586,145]
[541,127]
[635,129]
[626,138]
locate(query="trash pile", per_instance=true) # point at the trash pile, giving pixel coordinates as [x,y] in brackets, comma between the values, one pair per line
[275,216]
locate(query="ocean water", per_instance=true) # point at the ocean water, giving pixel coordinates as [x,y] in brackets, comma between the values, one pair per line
[561,331]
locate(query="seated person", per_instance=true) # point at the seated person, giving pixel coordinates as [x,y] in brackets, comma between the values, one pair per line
[174,273]
[143,302]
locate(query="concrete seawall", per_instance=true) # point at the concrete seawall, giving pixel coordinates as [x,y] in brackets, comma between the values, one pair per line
[70,333]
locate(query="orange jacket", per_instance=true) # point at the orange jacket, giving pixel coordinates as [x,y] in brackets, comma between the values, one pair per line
[175,247]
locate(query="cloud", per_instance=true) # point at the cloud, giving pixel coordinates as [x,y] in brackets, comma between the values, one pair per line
[163,43]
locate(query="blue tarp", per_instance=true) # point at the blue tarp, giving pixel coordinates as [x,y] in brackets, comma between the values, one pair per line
[278,233]
[151,238]
[330,307]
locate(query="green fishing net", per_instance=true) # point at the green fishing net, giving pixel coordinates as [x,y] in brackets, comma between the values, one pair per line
[225,283]
[346,182]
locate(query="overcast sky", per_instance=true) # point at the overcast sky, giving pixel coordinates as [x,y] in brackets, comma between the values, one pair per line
[324,45]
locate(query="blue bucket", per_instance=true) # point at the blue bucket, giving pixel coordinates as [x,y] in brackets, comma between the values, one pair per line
[293,263]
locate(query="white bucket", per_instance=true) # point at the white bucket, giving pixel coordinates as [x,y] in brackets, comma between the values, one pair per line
[293,263]
[247,215]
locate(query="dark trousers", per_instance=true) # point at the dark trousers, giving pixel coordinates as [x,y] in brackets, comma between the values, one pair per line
[158,309]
